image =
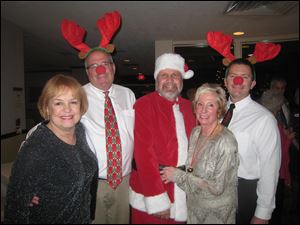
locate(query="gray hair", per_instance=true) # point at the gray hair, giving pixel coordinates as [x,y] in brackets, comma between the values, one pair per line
[110,58]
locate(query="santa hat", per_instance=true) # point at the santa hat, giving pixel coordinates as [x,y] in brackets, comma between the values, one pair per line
[172,61]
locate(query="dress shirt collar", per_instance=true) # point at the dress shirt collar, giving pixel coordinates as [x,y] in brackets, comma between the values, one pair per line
[240,104]
[111,90]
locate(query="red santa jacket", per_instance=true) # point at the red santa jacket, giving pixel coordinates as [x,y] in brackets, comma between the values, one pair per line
[155,143]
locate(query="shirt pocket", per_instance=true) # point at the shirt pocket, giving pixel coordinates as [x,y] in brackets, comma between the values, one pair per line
[128,116]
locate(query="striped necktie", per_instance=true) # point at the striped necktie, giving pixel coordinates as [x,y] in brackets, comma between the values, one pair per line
[228,115]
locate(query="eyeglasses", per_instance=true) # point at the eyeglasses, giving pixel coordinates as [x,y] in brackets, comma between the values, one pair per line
[95,65]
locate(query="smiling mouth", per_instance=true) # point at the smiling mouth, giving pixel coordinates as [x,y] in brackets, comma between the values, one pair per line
[102,75]
[237,86]
[201,117]
[169,87]
[66,117]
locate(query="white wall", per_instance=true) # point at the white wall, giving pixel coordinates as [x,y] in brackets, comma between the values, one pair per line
[163,46]
[12,76]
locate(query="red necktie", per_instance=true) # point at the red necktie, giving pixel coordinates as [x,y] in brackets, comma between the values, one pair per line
[228,115]
[113,144]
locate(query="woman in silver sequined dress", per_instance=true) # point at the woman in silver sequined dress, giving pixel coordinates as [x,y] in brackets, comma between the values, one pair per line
[210,179]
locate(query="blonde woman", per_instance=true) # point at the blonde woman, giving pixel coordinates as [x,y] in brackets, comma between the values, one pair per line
[210,179]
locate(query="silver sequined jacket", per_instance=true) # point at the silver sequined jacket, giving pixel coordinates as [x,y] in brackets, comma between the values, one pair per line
[212,186]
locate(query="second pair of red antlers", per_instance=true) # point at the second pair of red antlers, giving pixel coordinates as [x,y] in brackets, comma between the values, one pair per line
[222,43]
[107,26]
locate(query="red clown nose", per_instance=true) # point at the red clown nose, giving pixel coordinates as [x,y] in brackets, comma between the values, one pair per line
[238,80]
[100,70]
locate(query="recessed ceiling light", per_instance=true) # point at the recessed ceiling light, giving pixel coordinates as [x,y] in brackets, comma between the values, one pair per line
[238,33]
[126,60]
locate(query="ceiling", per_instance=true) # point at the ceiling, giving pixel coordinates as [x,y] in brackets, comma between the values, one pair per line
[143,22]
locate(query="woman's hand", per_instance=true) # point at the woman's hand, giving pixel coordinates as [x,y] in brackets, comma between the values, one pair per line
[167,174]
[34,201]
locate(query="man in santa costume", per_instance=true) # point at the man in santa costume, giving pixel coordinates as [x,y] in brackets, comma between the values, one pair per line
[163,123]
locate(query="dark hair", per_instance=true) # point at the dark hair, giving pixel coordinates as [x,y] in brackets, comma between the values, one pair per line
[242,61]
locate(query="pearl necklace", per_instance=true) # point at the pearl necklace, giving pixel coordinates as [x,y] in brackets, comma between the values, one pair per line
[196,152]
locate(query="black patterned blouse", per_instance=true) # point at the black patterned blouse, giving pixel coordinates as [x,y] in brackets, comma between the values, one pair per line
[58,173]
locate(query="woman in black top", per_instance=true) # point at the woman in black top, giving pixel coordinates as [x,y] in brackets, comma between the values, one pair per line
[55,165]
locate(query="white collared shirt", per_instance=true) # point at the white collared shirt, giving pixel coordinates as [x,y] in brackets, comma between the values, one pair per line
[259,146]
[122,99]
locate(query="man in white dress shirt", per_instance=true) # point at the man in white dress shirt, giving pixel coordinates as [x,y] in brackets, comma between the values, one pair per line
[112,205]
[255,129]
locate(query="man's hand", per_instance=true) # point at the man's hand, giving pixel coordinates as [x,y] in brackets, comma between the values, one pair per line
[163,215]
[34,201]
[256,220]
[167,174]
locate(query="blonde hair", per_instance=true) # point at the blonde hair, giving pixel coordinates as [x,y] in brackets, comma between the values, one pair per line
[57,84]
[216,89]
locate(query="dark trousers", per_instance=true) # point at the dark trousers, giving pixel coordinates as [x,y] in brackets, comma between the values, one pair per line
[247,198]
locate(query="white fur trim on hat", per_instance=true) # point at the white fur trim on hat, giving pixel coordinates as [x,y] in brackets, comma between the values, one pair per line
[171,61]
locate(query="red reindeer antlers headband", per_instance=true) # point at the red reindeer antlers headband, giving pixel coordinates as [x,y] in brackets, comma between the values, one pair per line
[107,25]
[222,42]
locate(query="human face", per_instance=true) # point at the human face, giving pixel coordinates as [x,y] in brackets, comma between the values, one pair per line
[207,109]
[241,89]
[64,111]
[279,87]
[169,83]
[100,78]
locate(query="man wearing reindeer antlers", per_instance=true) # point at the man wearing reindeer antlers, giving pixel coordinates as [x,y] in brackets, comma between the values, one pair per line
[255,129]
[108,121]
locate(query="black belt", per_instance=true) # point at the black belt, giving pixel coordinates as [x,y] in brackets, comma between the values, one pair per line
[133,164]
[247,180]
